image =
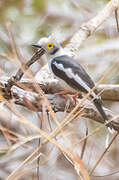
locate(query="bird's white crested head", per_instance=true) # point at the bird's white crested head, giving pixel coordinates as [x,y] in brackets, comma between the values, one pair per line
[43,41]
[51,47]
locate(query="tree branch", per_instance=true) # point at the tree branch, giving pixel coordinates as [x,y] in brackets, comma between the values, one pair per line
[50,85]
[34,102]
[90,27]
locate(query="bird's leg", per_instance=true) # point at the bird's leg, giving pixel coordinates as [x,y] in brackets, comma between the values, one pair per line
[74,96]
[64,92]
[68,93]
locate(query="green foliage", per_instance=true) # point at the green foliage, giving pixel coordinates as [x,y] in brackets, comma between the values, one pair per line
[7,3]
[39,5]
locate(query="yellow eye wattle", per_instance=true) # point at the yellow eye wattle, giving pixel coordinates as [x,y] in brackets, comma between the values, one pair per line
[50,45]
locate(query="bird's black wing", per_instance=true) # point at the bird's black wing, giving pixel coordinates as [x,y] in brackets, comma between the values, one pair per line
[72,73]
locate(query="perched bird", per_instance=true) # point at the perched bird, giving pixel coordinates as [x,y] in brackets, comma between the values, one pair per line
[71,74]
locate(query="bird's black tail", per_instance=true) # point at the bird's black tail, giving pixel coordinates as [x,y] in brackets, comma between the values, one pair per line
[98,103]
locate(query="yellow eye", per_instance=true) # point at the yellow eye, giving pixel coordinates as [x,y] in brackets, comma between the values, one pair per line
[50,45]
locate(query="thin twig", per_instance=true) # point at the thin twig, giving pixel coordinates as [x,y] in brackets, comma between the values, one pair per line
[84,145]
[38,160]
[22,70]
[102,155]
[116,17]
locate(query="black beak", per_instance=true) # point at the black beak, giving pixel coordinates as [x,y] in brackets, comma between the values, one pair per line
[37,46]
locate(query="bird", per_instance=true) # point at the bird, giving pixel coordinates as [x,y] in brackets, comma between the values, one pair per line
[70,73]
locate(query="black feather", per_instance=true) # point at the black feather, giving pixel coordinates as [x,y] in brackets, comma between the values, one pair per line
[98,104]
[69,62]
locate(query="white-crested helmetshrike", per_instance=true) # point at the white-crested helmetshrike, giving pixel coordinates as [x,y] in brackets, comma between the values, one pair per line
[71,74]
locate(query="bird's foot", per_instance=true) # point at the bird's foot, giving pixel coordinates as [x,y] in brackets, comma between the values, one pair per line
[74,96]
[67,93]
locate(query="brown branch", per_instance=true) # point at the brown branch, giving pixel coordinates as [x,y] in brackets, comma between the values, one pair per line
[90,27]
[22,70]
[34,102]
[109,92]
